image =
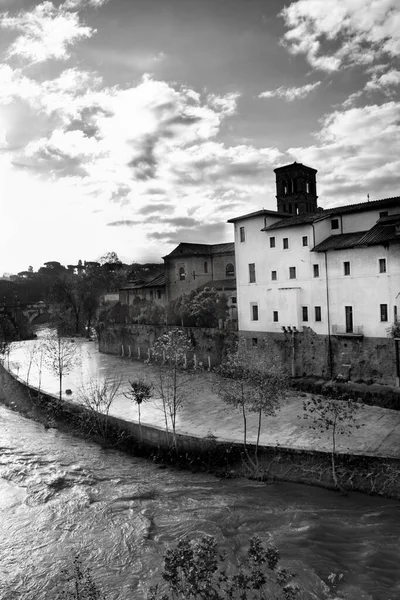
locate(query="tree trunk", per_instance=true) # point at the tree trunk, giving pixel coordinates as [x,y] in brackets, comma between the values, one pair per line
[140,424]
[60,376]
[258,435]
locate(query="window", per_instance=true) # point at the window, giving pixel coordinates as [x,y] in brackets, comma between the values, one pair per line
[335,224]
[305,240]
[285,243]
[275,316]
[230,270]
[384,312]
[242,234]
[348,310]
[233,299]
[308,187]
[316,270]
[205,266]
[292,272]
[317,313]
[395,313]
[274,275]
[346,267]
[151,294]
[252,273]
[272,242]
[159,294]
[382,265]
[304,310]
[254,341]
[182,274]
[254,312]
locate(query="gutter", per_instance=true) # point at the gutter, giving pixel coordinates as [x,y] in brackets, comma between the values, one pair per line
[328,318]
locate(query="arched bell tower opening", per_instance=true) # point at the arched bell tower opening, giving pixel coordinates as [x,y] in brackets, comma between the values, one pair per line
[296,189]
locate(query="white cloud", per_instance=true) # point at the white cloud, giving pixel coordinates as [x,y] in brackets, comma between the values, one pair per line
[385,82]
[290,93]
[79,4]
[332,33]
[47,32]
[357,153]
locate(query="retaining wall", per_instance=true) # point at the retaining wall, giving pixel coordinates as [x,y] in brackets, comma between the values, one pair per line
[372,475]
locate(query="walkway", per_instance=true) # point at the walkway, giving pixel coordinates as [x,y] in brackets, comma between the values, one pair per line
[204,413]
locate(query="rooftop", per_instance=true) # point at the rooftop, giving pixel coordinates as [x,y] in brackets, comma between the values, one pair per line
[295,165]
[220,284]
[383,232]
[257,213]
[188,249]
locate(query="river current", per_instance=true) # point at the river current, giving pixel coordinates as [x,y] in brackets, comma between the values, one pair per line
[60,495]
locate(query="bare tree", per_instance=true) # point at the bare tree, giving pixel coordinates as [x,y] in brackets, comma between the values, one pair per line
[61,355]
[173,380]
[97,396]
[337,417]
[140,391]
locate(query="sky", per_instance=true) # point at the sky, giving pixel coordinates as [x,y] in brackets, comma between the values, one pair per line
[133,125]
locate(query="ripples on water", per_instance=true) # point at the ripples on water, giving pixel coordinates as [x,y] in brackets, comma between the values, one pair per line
[60,495]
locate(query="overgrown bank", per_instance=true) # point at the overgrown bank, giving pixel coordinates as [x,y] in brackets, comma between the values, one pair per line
[367,474]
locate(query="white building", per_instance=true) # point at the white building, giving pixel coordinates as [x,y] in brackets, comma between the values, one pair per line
[335,271]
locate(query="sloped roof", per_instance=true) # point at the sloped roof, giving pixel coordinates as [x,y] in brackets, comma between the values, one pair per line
[220,284]
[294,165]
[188,249]
[257,213]
[157,281]
[305,218]
[383,232]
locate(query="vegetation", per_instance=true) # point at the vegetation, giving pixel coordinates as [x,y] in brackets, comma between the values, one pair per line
[249,384]
[139,391]
[171,353]
[97,397]
[61,355]
[200,308]
[197,570]
[337,417]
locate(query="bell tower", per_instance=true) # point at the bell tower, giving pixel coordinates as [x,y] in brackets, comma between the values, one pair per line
[296,189]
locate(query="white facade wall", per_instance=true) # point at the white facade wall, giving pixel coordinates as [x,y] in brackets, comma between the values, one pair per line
[284,296]
[365,289]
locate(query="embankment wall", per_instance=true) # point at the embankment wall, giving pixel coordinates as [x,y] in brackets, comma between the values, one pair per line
[369,474]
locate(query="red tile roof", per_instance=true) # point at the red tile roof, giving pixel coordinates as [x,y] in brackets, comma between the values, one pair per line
[187,249]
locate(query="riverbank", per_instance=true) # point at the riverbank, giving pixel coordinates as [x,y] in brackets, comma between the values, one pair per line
[356,472]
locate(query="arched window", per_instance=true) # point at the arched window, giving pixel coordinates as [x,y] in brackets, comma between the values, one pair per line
[230,270]
[205,266]
[285,187]
[308,187]
[182,274]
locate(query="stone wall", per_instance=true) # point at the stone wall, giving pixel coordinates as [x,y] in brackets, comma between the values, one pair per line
[362,359]
[136,340]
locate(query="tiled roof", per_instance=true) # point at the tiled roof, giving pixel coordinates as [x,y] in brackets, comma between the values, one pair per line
[257,213]
[381,233]
[340,241]
[220,284]
[305,218]
[157,281]
[187,249]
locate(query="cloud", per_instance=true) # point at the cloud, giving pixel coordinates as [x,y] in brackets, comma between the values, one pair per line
[151,209]
[123,223]
[385,82]
[290,93]
[47,32]
[357,153]
[334,33]
[80,4]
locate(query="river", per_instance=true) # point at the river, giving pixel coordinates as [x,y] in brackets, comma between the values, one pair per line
[60,495]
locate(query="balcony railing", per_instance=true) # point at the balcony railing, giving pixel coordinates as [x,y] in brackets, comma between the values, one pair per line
[356,330]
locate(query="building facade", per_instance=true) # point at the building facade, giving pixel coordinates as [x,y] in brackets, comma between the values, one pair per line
[332,273]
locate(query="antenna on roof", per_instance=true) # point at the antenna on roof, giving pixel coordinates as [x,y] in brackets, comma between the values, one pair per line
[368,197]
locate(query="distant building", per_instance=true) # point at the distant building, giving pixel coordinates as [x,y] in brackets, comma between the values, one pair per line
[333,272]
[152,290]
[192,266]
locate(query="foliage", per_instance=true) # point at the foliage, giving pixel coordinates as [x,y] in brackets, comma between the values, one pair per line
[61,355]
[337,417]
[200,308]
[140,391]
[80,583]
[196,570]
[394,329]
[8,334]
[250,384]
[170,350]
[110,258]
[97,396]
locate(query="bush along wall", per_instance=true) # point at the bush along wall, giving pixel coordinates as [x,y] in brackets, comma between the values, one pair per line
[368,474]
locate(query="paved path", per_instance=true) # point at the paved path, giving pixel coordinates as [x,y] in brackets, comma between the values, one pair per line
[204,413]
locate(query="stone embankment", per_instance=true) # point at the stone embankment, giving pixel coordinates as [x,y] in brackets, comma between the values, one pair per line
[364,473]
